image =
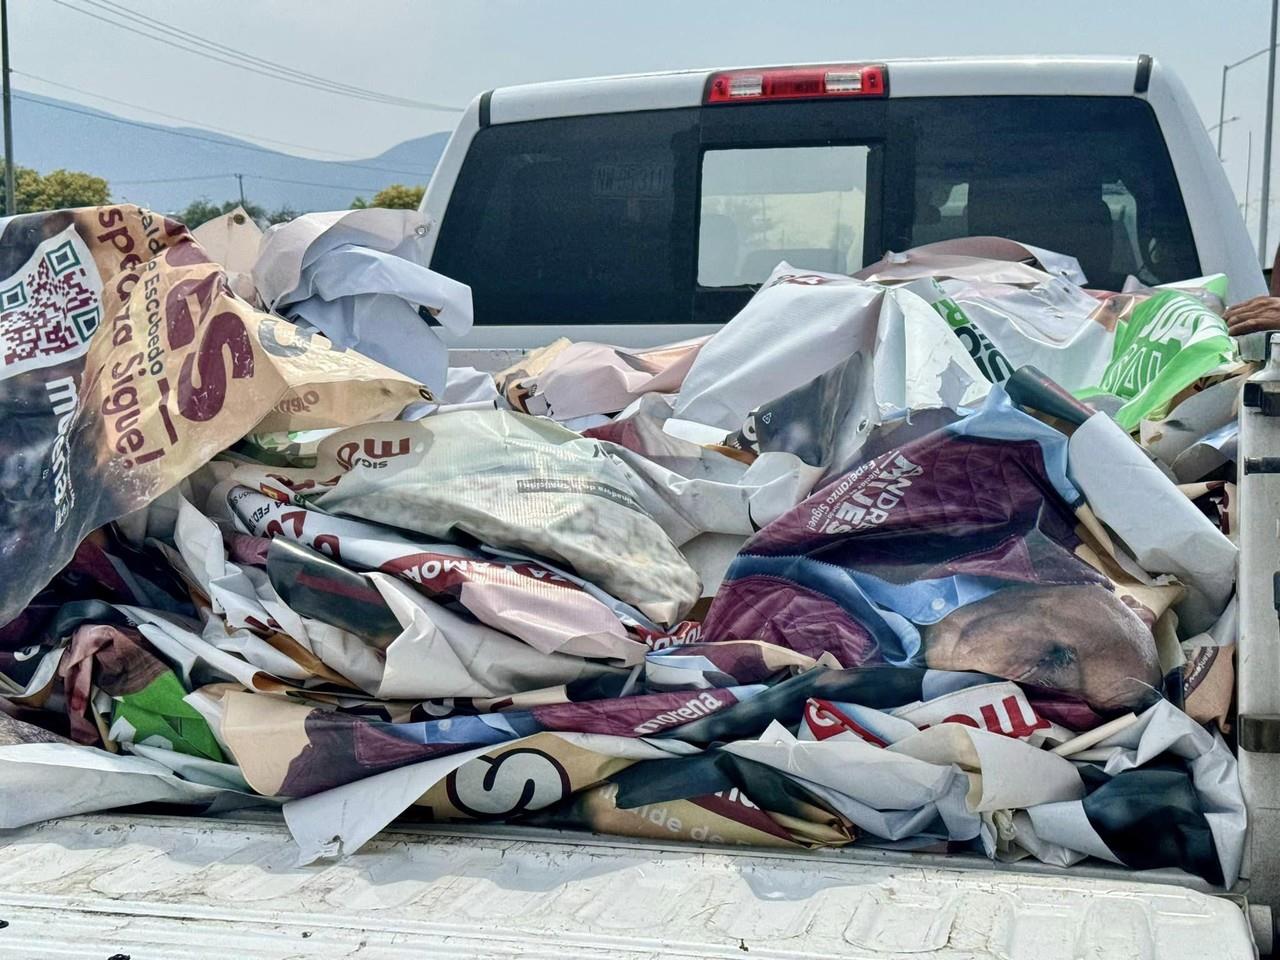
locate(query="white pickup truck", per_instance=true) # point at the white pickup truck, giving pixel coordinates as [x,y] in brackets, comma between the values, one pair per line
[640,209]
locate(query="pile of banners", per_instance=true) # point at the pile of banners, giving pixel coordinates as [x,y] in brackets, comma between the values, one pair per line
[935,557]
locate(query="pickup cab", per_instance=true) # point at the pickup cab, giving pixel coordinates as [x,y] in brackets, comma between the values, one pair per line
[641,209]
[635,210]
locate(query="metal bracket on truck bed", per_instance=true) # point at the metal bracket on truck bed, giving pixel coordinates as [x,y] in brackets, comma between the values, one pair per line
[1262,464]
[1262,391]
[1265,397]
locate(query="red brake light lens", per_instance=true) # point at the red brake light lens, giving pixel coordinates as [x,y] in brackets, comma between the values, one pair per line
[798,83]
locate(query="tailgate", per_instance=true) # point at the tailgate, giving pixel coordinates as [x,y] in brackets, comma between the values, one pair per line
[161,888]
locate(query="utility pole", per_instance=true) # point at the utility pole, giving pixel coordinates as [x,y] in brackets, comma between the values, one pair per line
[1266,143]
[239,176]
[10,204]
[1222,109]
[1248,177]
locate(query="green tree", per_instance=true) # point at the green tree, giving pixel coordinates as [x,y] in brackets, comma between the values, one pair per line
[57,190]
[202,210]
[395,197]
[283,215]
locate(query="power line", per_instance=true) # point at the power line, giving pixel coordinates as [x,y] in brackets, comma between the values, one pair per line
[189,43]
[236,59]
[310,183]
[249,176]
[191,136]
[272,65]
[211,176]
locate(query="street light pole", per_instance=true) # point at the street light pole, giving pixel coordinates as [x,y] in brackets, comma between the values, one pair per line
[10,204]
[1222,93]
[1220,125]
[1266,144]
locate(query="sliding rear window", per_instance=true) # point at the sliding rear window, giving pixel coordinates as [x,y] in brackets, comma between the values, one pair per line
[577,220]
[1086,176]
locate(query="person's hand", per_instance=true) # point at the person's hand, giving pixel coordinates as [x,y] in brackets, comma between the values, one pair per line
[1260,313]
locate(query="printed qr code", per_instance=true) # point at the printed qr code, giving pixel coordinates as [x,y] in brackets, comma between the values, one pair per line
[49,310]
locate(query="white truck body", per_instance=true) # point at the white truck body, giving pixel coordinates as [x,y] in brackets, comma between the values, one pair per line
[149,887]
[161,888]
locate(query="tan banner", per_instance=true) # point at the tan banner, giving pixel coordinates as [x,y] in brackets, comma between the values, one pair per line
[126,363]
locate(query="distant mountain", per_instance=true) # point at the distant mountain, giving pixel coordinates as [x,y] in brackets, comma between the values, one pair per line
[49,133]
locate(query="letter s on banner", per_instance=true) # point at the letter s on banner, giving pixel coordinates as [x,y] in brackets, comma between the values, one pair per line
[180,320]
[495,787]
[203,402]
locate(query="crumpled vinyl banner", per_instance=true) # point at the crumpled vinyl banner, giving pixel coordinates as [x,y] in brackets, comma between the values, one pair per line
[524,598]
[692,489]
[127,363]
[1163,344]
[711,797]
[411,648]
[485,783]
[147,702]
[507,480]
[566,380]
[358,277]
[1151,814]
[801,324]
[291,750]
[1143,348]
[1052,325]
[43,781]
[1126,491]
[958,550]
[982,259]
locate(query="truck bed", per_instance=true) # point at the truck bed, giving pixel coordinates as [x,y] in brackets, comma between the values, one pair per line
[163,888]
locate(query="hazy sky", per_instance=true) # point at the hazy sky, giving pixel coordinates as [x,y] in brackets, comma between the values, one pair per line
[446,51]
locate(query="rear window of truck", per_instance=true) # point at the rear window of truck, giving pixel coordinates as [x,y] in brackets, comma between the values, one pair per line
[673,216]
